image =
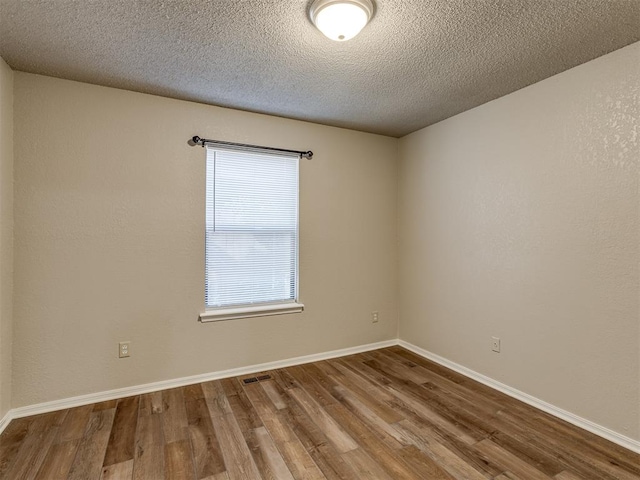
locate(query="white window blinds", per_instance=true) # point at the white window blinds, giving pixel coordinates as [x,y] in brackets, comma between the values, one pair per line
[251,228]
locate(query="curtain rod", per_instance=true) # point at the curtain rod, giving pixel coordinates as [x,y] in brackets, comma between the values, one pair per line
[196,140]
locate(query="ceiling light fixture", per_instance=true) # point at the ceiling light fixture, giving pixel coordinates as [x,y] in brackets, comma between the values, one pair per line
[341,20]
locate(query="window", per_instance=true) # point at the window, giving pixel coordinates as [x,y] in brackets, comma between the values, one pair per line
[251,253]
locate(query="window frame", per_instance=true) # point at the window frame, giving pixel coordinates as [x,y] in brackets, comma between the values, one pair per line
[216,314]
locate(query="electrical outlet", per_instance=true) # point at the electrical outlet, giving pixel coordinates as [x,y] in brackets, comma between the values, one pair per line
[124,349]
[374,317]
[495,344]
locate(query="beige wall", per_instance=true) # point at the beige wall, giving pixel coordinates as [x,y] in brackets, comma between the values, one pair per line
[6,233]
[519,219]
[109,240]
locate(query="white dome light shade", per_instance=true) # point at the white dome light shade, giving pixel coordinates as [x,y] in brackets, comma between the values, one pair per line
[341,20]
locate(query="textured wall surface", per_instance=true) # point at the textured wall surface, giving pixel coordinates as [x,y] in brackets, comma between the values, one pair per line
[416,63]
[109,240]
[519,219]
[6,234]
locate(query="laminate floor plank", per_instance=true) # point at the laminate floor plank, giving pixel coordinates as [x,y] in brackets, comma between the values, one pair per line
[260,444]
[178,461]
[340,439]
[581,452]
[240,405]
[216,398]
[275,467]
[522,448]
[458,466]
[509,461]
[235,452]
[429,426]
[357,379]
[422,464]
[30,457]
[413,396]
[74,424]
[204,442]
[219,476]
[464,398]
[438,369]
[551,435]
[118,471]
[508,476]
[313,384]
[482,392]
[297,458]
[411,374]
[249,423]
[121,446]
[193,392]
[11,440]
[422,412]
[151,403]
[106,405]
[387,414]
[324,454]
[566,476]
[33,450]
[371,444]
[365,466]
[87,464]
[57,463]
[369,396]
[149,450]
[589,465]
[273,393]
[391,436]
[258,454]
[174,416]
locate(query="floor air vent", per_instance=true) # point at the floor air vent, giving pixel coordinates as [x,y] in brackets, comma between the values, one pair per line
[261,378]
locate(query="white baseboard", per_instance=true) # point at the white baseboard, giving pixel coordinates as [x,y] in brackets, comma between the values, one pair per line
[180,382]
[583,423]
[4,421]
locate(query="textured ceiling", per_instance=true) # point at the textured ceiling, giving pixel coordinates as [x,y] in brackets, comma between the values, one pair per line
[416,63]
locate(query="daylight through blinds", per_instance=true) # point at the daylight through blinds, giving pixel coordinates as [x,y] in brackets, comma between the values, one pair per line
[251,228]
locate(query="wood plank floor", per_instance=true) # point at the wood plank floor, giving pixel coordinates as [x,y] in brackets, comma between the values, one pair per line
[387,414]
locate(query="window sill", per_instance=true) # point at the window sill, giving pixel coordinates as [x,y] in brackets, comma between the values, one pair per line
[248,312]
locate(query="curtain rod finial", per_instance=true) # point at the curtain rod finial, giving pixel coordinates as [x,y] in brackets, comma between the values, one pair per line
[195,140]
